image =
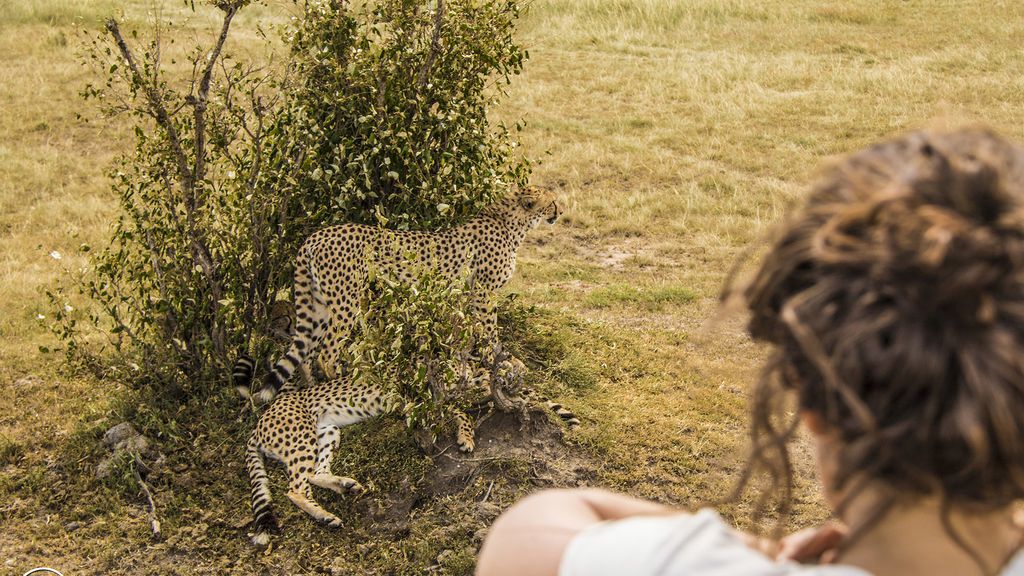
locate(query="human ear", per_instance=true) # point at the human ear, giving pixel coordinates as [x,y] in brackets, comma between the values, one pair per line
[814,423]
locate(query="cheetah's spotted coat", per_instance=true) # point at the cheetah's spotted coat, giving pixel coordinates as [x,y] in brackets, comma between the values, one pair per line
[333,266]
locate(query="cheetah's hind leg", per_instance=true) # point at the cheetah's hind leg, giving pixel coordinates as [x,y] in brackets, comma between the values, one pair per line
[512,369]
[301,468]
[300,490]
[464,432]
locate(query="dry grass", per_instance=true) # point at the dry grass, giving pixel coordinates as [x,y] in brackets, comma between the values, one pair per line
[676,133]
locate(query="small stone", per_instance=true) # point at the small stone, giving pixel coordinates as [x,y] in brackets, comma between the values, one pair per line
[137,444]
[445,555]
[486,511]
[27,381]
[118,434]
[72,526]
[105,467]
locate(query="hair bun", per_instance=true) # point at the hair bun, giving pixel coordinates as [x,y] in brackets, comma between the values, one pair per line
[935,221]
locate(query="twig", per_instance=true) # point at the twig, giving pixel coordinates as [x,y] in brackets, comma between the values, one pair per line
[484,418]
[154,522]
[443,450]
[484,459]
[488,493]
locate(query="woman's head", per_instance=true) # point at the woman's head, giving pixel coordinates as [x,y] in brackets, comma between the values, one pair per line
[894,302]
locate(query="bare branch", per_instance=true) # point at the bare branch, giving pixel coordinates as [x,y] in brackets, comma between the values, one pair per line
[154,522]
[435,45]
[156,104]
[200,100]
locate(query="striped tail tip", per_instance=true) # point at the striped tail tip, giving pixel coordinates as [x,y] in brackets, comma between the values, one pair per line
[266,521]
[266,394]
[260,539]
[264,525]
[564,413]
[241,372]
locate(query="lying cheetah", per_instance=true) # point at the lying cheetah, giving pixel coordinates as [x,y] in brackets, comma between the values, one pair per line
[301,430]
[332,272]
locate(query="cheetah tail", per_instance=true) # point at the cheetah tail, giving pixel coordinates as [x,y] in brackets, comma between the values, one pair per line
[273,381]
[309,325]
[241,375]
[264,521]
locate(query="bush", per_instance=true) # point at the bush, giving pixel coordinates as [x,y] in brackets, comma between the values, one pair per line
[378,116]
[395,105]
[416,339]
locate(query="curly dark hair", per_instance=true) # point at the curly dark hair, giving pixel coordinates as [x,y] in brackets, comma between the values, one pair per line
[894,304]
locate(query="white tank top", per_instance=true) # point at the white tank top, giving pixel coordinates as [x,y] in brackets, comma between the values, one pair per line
[700,544]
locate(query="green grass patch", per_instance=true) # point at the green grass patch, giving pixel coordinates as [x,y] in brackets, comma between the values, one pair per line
[10,450]
[554,345]
[652,298]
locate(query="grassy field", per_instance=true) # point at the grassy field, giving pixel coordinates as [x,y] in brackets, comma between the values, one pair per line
[675,132]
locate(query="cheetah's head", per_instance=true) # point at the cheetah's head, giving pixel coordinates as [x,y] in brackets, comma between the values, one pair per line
[531,204]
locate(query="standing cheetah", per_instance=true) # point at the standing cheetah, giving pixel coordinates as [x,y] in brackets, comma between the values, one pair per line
[333,266]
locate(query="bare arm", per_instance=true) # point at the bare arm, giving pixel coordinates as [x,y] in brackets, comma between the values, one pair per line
[530,538]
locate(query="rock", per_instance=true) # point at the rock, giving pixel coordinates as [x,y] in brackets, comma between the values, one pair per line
[27,381]
[137,444]
[72,526]
[486,511]
[105,467]
[124,439]
[118,434]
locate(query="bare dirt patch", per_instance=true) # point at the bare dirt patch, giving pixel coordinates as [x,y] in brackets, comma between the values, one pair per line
[535,448]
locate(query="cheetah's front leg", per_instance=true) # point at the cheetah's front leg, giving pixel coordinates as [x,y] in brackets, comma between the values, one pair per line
[489,349]
[327,439]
